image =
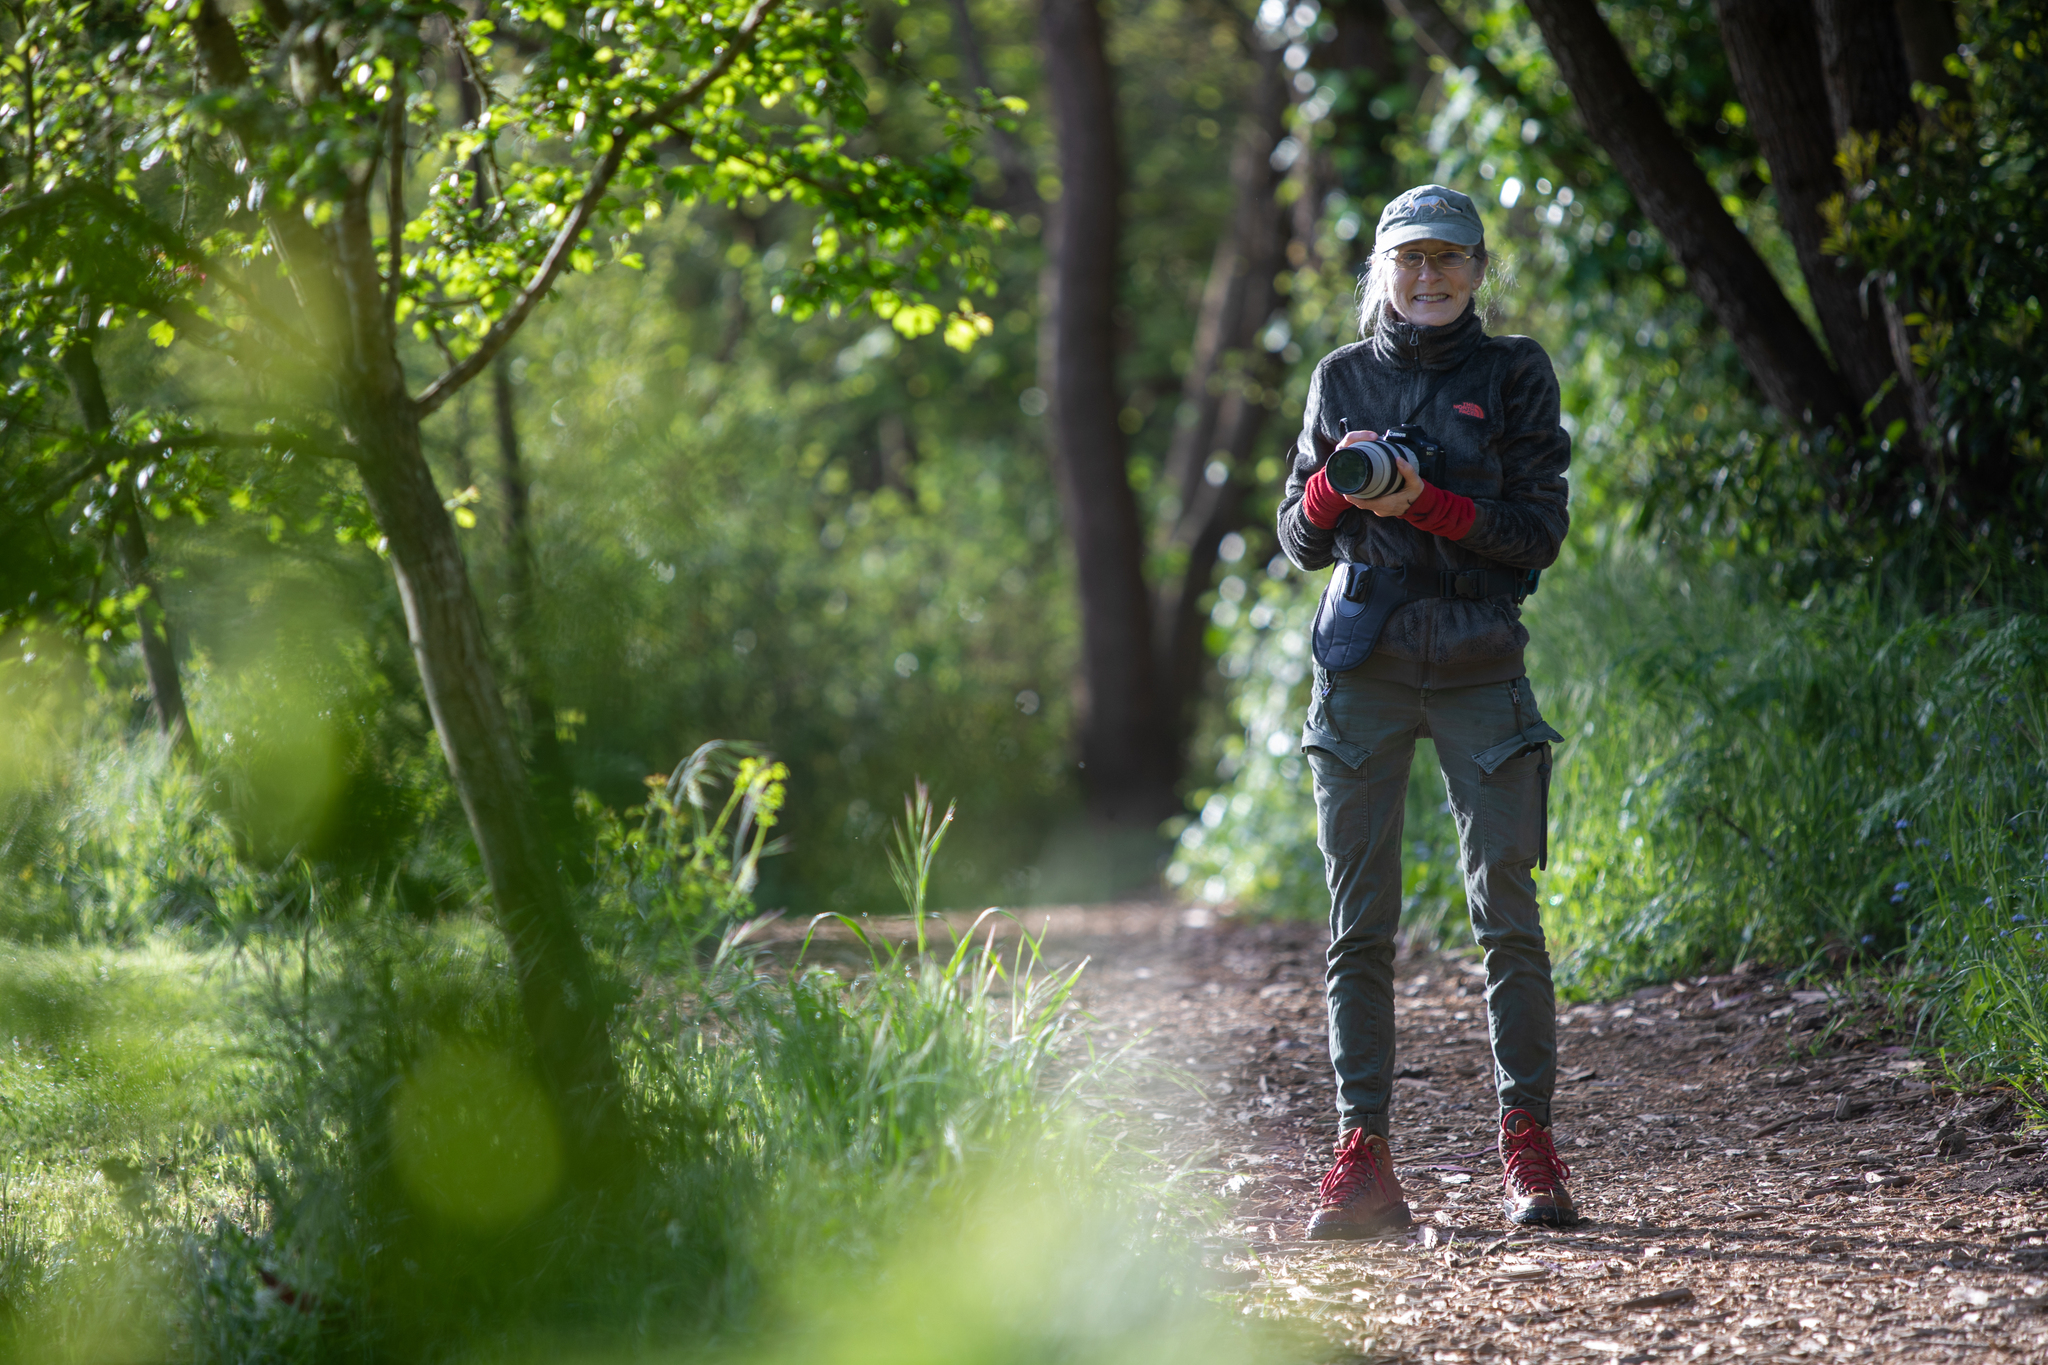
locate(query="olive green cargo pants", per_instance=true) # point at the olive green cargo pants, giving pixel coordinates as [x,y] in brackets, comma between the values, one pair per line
[1495,750]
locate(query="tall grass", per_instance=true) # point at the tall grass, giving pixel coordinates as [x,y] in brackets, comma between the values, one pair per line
[1843,781]
[310,1130]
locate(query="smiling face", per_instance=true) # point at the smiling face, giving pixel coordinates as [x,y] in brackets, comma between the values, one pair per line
[1431,297]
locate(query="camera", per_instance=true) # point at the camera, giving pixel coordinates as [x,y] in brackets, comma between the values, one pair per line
[1367,469]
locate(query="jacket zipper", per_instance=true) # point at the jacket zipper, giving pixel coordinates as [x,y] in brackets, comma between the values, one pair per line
[1430,610]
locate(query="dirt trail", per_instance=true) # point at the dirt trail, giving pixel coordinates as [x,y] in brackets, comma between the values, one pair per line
[1748,1194]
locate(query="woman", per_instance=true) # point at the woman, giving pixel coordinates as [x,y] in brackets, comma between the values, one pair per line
[1455,544]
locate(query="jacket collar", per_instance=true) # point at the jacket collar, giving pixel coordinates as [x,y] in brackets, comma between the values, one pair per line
[1430,348]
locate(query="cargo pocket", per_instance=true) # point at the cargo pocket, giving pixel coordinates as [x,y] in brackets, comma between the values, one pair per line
[1514,788]
[1343,815]
[1513,819]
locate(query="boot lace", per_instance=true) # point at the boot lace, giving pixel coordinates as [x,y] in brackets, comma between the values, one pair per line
[1532,1161]
[1353,1167]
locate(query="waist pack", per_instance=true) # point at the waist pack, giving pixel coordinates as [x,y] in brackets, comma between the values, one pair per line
[1359,598]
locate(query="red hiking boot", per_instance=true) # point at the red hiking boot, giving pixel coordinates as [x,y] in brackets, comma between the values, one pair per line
[1534,1175]
[1361,1198]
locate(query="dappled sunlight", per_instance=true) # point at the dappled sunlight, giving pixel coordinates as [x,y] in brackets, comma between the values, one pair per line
[665,690]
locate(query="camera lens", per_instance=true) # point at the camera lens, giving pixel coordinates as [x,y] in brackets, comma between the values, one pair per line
[1366,470]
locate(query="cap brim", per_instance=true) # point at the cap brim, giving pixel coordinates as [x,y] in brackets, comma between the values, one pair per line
[1458,234]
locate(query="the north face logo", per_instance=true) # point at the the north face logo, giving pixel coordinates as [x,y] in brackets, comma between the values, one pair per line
[1470,410]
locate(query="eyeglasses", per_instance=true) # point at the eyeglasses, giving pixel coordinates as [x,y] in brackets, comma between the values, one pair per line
[1444,260]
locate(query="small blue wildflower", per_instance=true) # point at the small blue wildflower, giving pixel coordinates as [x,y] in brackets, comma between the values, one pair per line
[2019,919]
[1900,823]
[1903,886]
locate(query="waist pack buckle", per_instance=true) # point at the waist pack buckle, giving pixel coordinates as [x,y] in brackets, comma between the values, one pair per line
[1464,582]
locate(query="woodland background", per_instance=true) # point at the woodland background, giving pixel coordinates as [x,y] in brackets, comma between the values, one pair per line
[911,409]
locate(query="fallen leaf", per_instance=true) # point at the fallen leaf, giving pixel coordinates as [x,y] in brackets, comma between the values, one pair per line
[1663,1298]
[1777,1127]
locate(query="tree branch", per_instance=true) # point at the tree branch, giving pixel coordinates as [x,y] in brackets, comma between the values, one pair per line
[394,199]
[130,544]
[1440,35]
[1721,265]
[297,243]
[133,216]
[105,451]
[551,266]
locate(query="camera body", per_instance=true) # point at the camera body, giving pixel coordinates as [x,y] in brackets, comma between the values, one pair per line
[1367,469]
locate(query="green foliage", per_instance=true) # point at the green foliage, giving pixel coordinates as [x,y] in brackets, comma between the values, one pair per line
[1851,782]
[104,840]
[327,1142]
[681,873]
[113,1053]
[1949,220]
[208,179]
[319,785]
[820,536]
[751,100]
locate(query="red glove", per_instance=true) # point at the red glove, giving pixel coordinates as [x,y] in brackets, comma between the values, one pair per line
[1322,504]
[1449,515]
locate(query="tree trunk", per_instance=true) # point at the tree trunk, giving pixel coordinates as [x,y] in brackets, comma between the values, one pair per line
[1722,267]
[131,552]
[1362,49]
[1928,30]
[1774,54]
[1221,412]
[1019,193]
[1863,59]
[533,697]
[337,278]
[1870,92]
[1126,742]
[564,1012]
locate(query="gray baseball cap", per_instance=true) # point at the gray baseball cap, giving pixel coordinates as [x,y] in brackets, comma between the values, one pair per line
[1429,211]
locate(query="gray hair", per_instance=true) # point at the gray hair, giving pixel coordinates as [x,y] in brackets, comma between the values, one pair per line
[1376,291]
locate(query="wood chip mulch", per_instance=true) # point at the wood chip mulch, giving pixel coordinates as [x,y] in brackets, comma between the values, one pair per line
[1766,1174]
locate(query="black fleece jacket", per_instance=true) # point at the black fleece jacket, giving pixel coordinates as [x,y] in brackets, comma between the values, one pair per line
[1496,418]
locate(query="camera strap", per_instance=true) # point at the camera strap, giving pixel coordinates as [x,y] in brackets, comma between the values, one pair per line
[1437,385]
